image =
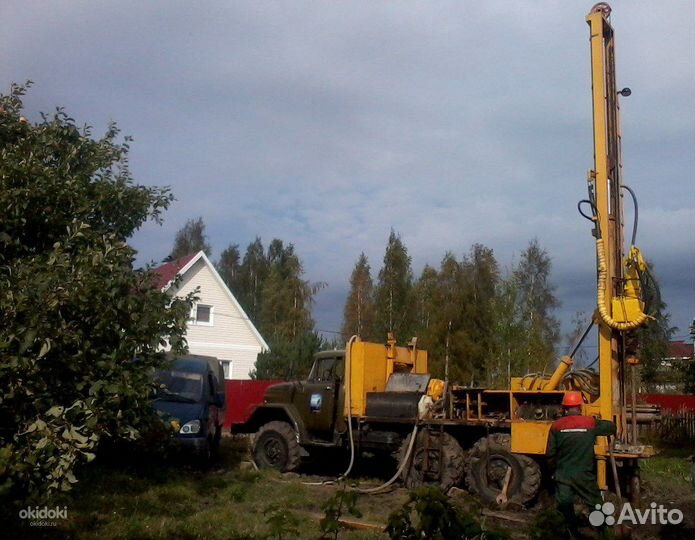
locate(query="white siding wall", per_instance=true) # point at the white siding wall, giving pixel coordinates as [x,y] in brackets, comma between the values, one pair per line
[229,338]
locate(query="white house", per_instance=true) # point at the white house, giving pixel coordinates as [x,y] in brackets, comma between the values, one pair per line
[218,325]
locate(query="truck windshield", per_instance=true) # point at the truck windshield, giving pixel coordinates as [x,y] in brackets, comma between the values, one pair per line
[180,384]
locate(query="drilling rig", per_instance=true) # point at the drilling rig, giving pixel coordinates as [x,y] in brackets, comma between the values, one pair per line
[623,279]
[380,397]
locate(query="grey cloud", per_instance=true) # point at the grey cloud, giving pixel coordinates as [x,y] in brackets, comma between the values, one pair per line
[326,124]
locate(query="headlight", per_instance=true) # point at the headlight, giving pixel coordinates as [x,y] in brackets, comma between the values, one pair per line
[190,427]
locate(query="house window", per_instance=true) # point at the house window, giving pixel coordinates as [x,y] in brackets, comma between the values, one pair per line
[202,315]
[227,369]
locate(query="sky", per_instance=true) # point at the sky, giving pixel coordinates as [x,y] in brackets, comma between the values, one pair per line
[327,124]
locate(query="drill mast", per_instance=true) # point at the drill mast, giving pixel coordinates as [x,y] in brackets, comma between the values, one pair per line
[620,306]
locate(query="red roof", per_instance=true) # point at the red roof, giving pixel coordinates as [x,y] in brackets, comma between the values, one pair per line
[168,271]
[680,349]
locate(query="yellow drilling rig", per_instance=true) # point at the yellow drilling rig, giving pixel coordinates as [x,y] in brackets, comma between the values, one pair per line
[380,397]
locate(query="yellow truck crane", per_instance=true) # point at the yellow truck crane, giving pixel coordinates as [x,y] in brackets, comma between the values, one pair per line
[380,397]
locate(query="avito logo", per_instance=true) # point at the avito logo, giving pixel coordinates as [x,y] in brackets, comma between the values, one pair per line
[654,515]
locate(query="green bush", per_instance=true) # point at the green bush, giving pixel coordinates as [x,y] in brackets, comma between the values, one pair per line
[429,513]
[81,327]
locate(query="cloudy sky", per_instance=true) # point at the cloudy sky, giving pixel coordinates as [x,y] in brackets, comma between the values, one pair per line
[328,123]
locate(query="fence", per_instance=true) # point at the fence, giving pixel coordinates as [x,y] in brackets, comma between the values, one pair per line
[242,397]
[677,427]
[670,428]
[673,402]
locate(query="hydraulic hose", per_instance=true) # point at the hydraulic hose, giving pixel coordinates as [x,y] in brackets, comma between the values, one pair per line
[406,460]
[636,208]
[348,402]
[601,292]
[367,491]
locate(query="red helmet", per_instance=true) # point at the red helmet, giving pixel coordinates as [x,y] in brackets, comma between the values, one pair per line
[572,399]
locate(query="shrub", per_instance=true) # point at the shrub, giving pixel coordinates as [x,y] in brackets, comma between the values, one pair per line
[81,327]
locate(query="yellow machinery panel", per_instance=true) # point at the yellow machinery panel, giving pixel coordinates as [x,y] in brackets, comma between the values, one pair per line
[368,373]
[530,437]
[371,364]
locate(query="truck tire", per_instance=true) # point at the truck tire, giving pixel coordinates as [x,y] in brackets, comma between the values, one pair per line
[204,455]
[276,447]
[216,440]
[452,466]
[487,465]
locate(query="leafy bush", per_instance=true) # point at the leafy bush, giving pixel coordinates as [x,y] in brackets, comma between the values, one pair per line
[81,327]
[429,513]
[281,523]
[334,507]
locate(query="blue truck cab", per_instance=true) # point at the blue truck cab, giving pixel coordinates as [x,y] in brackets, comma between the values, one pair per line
[191,396]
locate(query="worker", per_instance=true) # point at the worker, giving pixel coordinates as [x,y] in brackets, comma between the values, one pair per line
[571,445]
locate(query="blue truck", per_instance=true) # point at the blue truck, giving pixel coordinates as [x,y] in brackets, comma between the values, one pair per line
[191,396]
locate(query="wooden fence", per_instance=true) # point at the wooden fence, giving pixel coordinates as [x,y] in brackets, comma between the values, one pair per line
[675,427]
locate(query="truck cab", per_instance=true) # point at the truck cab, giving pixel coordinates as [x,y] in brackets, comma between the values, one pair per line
[191,397]
[296,418]
[311,405]
[322,395]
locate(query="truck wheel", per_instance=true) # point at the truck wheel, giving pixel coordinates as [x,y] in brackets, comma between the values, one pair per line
[216,443]
[487,466]
[205,455]
[276,447]
[418,472]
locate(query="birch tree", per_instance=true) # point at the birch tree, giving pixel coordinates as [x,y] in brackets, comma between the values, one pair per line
[358,313]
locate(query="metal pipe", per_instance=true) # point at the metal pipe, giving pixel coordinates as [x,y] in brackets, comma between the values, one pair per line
[633,369]
[614,468]
[562,368]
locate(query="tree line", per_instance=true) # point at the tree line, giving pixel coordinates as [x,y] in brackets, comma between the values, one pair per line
[478,323]
[486,322]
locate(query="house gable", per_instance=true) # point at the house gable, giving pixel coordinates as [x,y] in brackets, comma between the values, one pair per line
[228,333]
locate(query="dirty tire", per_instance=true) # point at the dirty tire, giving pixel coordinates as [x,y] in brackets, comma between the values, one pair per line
[276,447]
[205,455]
[486,482]
[453,458]
[216,441]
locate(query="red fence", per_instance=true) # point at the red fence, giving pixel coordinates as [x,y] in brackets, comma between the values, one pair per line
[242,397]
[670,402]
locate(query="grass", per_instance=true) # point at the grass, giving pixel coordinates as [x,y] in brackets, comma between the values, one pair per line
[167,500]
[163,501]
[670,465]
